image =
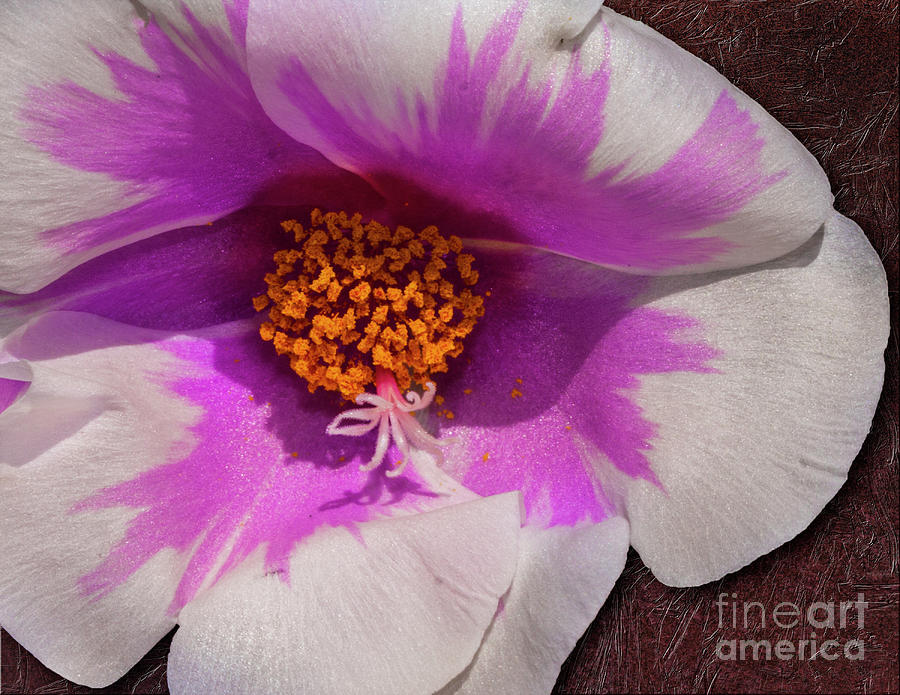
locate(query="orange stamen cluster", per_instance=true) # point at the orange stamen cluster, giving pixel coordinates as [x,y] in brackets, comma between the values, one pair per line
[351,297]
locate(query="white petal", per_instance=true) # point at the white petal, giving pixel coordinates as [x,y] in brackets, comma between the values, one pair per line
[659,94]
[114,130]
[85,422]
[400,607]
[365,55]
[36,193]
[563,578]
[748,456]
[596,138]
[138,466]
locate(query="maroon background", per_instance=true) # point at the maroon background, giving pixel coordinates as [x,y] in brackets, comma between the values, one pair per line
[827,69]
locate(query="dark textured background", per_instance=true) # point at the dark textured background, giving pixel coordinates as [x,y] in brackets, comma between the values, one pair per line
[827,69]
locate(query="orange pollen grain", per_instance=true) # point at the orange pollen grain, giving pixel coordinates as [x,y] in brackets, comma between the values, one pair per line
[350,297]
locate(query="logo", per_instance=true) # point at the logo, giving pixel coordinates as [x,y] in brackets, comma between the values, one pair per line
[820,617]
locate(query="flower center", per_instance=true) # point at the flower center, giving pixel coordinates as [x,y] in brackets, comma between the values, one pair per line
[356,304]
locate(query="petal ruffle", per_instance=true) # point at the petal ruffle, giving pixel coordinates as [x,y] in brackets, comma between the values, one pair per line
[115,129]
[718,413]
[528,122]
[400,606]
[562,579]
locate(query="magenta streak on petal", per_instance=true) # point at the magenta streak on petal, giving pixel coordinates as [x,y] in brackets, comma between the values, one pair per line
[181,280]
[571,334]
[526,179]
[188,136]
[236,12]
[240,487]
[599,399]
[10,389]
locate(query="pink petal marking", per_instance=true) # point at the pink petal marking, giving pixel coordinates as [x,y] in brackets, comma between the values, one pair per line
[191,133]
[261,473]
[524,176]
[556,361]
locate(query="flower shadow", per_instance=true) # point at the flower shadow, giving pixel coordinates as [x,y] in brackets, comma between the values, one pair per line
[297,419]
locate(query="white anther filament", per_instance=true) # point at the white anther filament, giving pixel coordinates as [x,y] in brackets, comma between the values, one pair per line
[390,412]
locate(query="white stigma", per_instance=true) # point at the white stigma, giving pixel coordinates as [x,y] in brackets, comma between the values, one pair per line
[390,412]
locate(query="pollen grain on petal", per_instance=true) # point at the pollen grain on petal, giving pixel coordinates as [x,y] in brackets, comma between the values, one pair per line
[349,298]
